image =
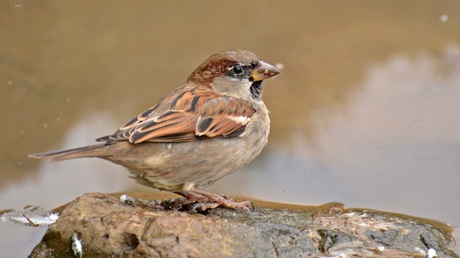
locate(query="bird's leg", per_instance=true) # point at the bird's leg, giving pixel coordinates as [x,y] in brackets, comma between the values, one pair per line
[204,198]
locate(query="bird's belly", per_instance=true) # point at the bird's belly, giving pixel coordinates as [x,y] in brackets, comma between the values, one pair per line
[168,166]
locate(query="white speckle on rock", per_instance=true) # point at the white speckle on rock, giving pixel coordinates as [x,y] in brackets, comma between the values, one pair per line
[431,253]
[53,216]
[77,246]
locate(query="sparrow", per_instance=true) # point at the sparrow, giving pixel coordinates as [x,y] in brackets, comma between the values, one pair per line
[207,128]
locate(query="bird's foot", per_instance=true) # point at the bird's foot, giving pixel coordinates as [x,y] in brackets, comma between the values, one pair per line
[193,200]
[206,200]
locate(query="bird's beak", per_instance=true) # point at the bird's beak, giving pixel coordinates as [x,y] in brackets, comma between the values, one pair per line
[263,71]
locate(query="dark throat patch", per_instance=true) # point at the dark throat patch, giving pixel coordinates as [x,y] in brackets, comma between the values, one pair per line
[256,90]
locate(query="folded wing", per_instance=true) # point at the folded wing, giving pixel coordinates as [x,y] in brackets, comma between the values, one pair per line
[189,115]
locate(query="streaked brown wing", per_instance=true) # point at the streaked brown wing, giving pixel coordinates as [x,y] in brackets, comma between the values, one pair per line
[187,116]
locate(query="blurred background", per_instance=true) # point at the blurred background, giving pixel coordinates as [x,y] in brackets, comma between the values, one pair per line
[366,112]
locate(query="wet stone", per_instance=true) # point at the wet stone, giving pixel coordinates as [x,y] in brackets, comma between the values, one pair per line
[108,227]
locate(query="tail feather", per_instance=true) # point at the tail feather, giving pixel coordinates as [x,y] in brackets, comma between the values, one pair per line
[82,152]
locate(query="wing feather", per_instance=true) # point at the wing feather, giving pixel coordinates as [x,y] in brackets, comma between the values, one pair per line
[187,114]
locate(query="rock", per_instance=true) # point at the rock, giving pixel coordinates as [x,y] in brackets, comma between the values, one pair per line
[108,227]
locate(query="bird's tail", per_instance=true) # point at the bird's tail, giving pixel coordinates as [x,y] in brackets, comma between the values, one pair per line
[82,152]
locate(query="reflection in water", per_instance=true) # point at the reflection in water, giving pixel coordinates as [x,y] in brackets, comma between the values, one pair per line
[60,182]
[347,126]
[395,147]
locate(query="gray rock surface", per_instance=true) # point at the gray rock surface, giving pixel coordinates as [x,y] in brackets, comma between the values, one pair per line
[108,227]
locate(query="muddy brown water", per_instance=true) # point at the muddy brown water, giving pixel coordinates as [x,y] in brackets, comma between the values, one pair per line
[366,112]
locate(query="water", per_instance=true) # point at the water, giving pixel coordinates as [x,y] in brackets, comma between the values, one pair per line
[365,113]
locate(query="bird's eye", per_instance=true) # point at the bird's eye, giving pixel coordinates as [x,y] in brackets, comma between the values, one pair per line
[237,69]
